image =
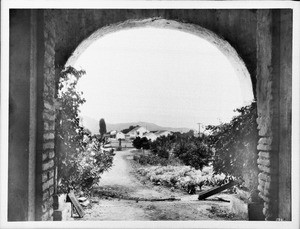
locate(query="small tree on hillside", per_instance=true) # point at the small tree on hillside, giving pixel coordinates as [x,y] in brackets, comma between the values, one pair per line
[125,131]
[102,127]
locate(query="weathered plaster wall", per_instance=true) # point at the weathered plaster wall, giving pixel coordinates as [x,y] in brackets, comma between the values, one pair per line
[19,68]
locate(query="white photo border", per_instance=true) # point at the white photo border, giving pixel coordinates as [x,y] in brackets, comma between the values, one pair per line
[78,4]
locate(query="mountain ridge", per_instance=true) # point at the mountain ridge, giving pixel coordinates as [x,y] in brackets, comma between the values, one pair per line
[93,125]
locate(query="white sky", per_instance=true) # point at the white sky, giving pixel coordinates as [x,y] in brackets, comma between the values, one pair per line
[168,77]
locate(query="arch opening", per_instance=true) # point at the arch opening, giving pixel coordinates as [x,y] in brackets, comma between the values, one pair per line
[243,81]
[237,63]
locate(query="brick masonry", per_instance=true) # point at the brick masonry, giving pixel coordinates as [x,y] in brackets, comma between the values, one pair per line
[264,120]
[274,115]
[48,157]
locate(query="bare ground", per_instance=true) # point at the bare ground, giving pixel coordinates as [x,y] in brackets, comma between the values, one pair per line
[123,195]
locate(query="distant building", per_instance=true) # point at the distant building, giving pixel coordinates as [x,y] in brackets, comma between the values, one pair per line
[137,132]
[113,132]
[161,133]
[120,135]
[151,136]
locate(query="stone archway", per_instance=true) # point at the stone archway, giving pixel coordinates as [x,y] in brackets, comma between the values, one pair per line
[233,57]
[262,38]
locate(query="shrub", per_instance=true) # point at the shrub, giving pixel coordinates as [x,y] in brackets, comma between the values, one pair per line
[80,158]
[235,145]
[182,177]
[93,162]
[137,143]
[150,159]
[193,151]
[162,146]
[141,143]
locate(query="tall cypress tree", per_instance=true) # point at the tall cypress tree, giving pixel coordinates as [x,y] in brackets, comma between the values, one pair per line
[102,127]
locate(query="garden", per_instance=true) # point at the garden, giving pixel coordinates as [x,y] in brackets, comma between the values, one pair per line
[183,161]
[179,161]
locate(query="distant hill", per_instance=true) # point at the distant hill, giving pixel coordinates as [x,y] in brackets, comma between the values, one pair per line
[93,126]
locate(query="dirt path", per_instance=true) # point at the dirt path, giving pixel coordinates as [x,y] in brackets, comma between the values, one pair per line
[121,180]
[121,196]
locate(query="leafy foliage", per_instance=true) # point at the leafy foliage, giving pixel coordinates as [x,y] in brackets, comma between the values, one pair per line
[230,147]
[181,177]
[190,150]
[152,159]
[93,162]
[162,146]
[141,143]
[193,151]
[80,159]
[235,144]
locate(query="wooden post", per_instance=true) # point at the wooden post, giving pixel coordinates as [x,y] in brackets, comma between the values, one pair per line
[203,195]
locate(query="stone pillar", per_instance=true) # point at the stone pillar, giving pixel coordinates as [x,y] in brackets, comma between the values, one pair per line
[21,140]
[285,113]
[32,115]
[46,117]
[270,77]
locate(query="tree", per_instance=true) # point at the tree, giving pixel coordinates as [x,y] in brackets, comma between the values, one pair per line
[69,133]
[191,133]
[162,146]
[193,151]
[80,160]
[102,127]
[145,143]
[235,145]
[141,143]
[137,143]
